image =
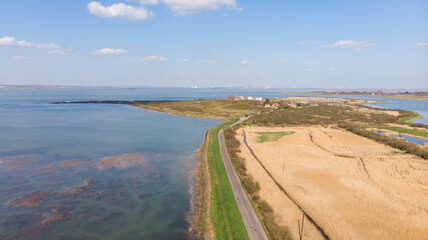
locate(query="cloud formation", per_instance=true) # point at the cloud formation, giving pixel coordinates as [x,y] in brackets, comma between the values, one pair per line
[154,59]
[119,10]
[184,60]
[12,42]
[311,69]
[57,52]
[183,7]
[109,51]
[54,49]
[245,62]
[332,69]
[18,58]
[422,44]
[48,46]
[357,45]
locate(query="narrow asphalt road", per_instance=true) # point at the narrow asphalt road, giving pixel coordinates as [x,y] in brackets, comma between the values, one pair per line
[251,222]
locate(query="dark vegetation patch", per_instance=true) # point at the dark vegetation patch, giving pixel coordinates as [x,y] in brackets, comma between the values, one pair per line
[321,115]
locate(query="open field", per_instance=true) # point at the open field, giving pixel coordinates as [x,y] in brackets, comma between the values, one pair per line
[352,187]
[271,136]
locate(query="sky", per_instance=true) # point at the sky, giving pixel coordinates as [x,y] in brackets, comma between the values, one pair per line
[221,43]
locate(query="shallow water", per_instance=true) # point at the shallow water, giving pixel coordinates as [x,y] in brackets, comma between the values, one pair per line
[418,141]
[95,171]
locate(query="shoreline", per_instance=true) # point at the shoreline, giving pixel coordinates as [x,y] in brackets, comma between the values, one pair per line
[390,96]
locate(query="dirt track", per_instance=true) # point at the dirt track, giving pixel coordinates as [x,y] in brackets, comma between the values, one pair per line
[352,187]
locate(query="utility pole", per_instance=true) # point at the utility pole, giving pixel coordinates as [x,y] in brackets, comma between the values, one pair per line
[303,221]
[283,166]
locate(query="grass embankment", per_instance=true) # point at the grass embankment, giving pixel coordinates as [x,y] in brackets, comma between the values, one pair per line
[269,220]
[407,120]
[415,132]
[220,109]
[271,136]
[226,218]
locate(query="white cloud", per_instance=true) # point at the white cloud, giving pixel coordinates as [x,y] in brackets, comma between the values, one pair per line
[422,44]
[12,42]
[48,46]
[183,7]
[154,59]
[109,51]
[357,45]
[245,62]
[119,10]
[206,61]
[184,60]
[57,52]
[332,69]
[18,58]
[311,69]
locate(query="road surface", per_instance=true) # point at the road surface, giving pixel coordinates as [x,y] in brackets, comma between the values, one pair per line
[251,222]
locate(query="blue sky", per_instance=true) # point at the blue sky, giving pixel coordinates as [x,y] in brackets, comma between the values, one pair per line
[230,43]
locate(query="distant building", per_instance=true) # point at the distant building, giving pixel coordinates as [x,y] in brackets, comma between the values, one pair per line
[292,105]
[251,98]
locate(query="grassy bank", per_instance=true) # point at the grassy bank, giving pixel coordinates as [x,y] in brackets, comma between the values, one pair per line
[414,132]
[226,218]
[410,116]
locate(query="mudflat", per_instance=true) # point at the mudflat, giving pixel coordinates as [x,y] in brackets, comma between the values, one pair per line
[352,187]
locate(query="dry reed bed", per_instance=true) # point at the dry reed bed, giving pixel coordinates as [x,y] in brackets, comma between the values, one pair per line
[354,188]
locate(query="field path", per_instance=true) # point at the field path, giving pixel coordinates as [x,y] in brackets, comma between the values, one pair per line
[251,221]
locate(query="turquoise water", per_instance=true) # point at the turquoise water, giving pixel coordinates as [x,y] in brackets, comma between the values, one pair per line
[88,171]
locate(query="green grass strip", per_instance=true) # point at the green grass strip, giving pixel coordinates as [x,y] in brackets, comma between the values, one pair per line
[271,136]
[408,120]
[414,132]
[225,214]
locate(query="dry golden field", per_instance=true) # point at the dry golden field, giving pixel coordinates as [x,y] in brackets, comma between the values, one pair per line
[352,187]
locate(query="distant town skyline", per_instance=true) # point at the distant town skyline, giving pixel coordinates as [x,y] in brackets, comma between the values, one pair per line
[222,43]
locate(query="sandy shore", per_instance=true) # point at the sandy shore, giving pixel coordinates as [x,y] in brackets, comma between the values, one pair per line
[353,188]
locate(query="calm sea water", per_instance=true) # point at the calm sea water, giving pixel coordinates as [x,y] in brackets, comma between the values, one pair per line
[88,171]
